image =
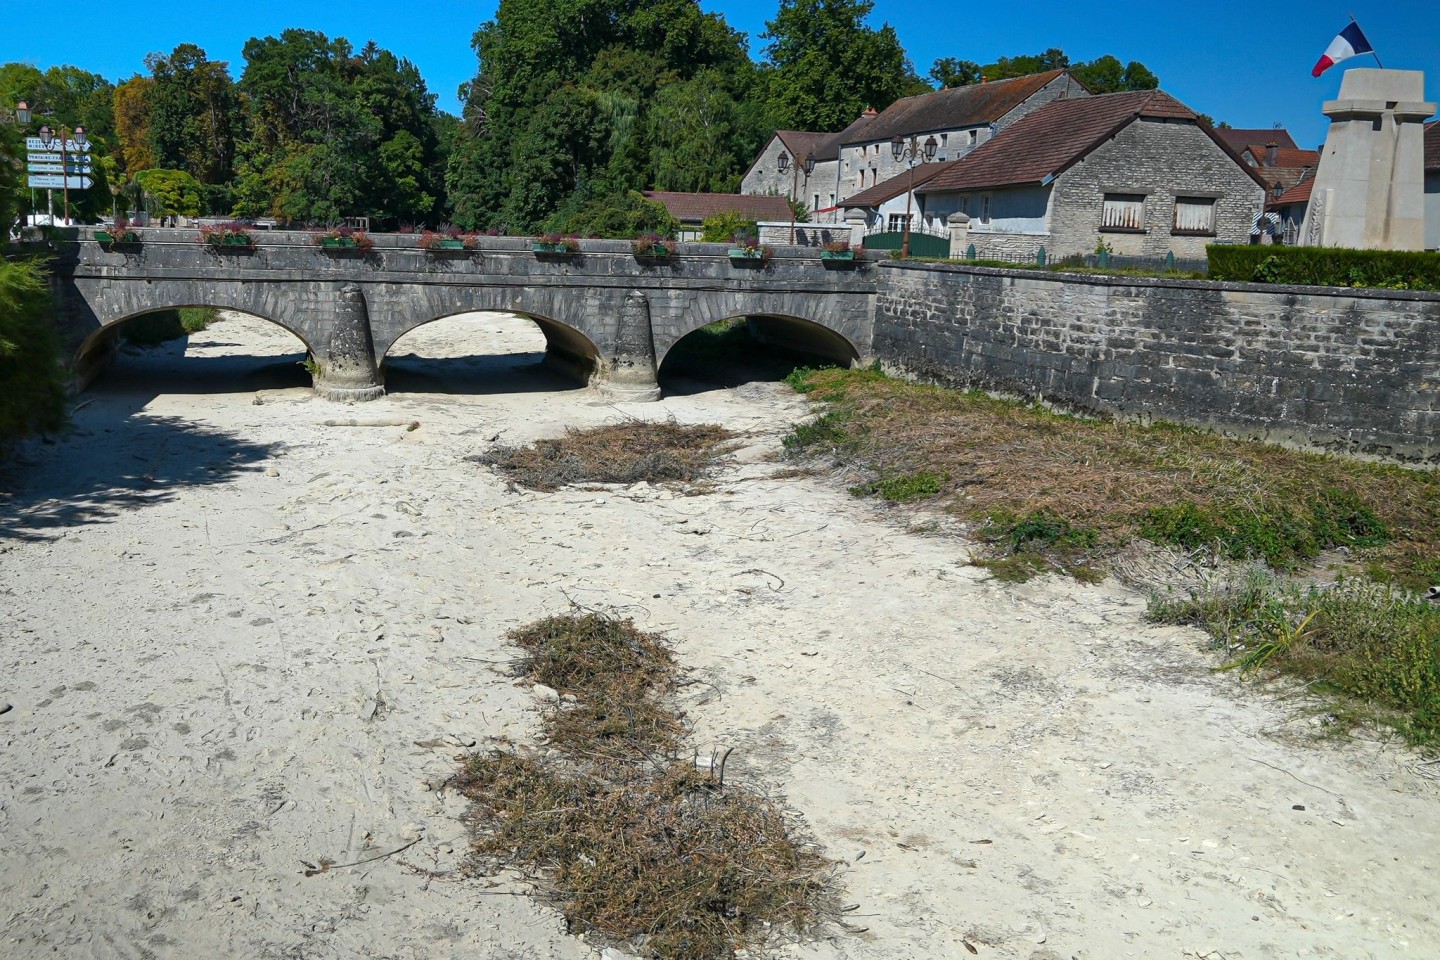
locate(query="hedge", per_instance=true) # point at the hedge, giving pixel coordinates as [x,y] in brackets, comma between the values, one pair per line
[1326,267]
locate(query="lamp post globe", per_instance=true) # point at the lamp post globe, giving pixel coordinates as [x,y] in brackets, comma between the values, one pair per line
[22,113]
[909,152]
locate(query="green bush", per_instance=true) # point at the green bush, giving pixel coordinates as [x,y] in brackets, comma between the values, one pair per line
[1326,267]
[722,226]
[32,385]
[621,216]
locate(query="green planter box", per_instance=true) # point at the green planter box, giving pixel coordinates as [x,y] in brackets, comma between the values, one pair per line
[658,252]
[338,243]
[842,255]
[232,244]
[740,253]
[105,236]
[447,246]
[552,249]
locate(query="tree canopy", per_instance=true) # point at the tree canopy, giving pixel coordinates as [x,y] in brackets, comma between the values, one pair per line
[1105,74]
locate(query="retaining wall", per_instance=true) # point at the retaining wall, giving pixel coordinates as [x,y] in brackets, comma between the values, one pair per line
[1349,370]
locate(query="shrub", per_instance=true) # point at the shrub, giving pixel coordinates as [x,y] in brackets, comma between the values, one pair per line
[1326,267]
[224,234]
[622,216]
[32,391]
[359,238]
[651,245]
[559,241]
[721,227]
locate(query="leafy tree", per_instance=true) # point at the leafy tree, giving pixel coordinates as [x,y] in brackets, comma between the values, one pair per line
[132,124]
[1106,75]
[193,113]
[623,215]
[829,66]
[720,227]
[692,130]
[174,192]
[950,72]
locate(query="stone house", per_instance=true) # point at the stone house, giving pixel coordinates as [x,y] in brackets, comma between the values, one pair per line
[815,189]
[1138,172]
[886,205]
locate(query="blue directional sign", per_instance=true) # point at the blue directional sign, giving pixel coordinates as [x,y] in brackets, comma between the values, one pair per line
[56,181]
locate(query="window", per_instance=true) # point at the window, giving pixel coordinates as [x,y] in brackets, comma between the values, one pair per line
[816,205]
[897,222]
[1124,212]
[985,208]
[974,136]
[1195,216]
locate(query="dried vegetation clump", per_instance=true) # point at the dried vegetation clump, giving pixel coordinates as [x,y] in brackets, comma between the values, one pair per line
[632,842]
[621,453]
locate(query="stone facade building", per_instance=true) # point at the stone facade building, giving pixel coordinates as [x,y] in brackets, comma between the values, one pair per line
[1137,172]
[815,189]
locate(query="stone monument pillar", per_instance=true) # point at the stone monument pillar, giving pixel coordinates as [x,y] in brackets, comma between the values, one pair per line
[347,370]
[631,374]
[1369,189]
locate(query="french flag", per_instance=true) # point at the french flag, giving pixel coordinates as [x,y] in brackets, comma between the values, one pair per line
[1351,42]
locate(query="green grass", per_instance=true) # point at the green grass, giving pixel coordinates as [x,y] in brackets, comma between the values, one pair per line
[155,328]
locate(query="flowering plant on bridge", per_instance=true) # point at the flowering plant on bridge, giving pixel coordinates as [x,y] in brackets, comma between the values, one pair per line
[556,243]
[117,232]
[230,234]
[341,237]
[652,245]
[839,250]
[448,237]
[747,247]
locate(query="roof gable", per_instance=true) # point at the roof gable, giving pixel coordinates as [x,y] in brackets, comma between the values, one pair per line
[1045,143]
[952,108]
[802,143]
[1240,139]
[896,185]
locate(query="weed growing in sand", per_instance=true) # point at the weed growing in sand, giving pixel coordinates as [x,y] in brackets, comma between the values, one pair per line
[1364,641]
[631,842]
[619,453]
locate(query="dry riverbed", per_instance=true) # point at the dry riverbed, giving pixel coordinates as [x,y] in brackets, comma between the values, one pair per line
[246,632]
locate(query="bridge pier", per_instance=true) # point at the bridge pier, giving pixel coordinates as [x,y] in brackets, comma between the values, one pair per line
[347,371]
[630,373]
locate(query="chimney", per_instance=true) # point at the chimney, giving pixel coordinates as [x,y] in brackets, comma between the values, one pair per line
[870,112]
[982,78]
[1272,153]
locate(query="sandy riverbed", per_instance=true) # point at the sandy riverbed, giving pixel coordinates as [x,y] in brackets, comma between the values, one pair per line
[238,640]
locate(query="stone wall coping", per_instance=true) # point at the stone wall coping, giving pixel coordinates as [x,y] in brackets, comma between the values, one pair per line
[502,244]
[1113,280]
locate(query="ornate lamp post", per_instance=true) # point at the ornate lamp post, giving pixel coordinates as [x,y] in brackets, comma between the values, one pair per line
[66,137]
[909,152]
[783,162]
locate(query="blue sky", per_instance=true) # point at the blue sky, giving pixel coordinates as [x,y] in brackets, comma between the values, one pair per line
[1243,62]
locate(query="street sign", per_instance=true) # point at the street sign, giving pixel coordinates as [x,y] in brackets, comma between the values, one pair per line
[39,156]
[35,143]
[72,168]
[55,181]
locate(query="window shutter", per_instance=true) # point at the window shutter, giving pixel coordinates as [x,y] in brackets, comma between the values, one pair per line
[1123,211]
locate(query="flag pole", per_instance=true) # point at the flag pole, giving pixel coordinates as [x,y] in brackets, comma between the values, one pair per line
[1372,51]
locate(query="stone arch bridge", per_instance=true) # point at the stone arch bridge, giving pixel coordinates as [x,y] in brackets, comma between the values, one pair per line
[607,316]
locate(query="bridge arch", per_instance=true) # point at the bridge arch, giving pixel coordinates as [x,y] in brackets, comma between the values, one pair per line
[804,323]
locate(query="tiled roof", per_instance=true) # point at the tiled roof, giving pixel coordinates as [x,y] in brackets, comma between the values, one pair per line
[694,207]
[1284,156]
[895,186]
[802,142]
[1300,193]
[1043,144]
[955,107]
[1238,140]
[1287,177]
[1432,146]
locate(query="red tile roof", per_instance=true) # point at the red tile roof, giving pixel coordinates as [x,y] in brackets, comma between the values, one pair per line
[694,207]
[1300,193]
[1043,144]
[1284,156]
[967,106]
[1240,139]
[895,186]
[1432,146]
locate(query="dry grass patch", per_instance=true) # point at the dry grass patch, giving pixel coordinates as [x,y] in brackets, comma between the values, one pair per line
[1045,489]
[631,842]
[618,453]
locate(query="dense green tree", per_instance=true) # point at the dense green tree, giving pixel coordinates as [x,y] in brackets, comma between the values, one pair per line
[335,133]
[693,126]
[829,66]
[1104,74]
[625,214]
[132,125]
[192,112]
[172,192]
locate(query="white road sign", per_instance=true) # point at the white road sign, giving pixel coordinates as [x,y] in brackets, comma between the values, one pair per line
[38,156]
[73,168]
[35,143]
[55,181]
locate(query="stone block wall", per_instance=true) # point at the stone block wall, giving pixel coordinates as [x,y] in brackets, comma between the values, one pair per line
[1142,159]
[1353,371]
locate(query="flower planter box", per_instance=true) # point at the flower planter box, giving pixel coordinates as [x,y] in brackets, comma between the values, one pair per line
[338,243]
[446,246]
[105,236]
[658,252]
[740,253]
[231,244]
[552,249]
[840,255]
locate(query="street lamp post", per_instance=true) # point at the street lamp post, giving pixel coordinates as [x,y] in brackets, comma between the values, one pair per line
[783,162]
[910,151]
[21,116]
[81,142]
